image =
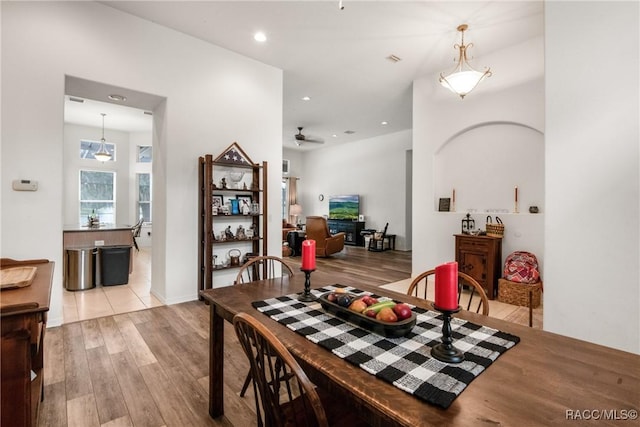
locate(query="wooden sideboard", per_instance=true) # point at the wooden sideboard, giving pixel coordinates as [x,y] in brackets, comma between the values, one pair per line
[23,313]
[481,258]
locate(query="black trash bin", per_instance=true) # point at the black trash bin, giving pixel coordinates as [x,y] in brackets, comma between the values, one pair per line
[114,265]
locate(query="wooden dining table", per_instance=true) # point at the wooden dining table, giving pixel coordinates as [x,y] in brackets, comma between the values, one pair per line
[546,379]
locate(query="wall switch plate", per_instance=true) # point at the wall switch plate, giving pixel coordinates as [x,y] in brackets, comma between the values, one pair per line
[99,242]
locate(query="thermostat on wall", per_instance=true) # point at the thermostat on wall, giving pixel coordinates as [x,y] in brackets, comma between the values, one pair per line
[25,185]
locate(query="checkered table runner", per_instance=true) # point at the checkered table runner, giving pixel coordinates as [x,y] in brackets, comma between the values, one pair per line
[404,362]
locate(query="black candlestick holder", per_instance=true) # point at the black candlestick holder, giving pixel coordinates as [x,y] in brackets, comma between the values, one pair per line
[445,351]
[307,296]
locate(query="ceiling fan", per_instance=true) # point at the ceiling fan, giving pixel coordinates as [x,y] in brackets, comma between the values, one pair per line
[300,138]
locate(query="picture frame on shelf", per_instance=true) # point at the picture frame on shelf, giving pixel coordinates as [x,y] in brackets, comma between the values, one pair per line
[444,205]
[245,202]
[217,201]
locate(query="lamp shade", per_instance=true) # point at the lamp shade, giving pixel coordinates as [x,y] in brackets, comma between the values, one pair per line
[295,209]
[102,154]
[462,82]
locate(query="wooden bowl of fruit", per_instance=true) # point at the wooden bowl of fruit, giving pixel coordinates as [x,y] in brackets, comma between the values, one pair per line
[382,316]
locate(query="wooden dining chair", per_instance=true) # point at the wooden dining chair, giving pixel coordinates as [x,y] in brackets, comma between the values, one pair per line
[472,299]
[284,394]
[262,268]
[135,231]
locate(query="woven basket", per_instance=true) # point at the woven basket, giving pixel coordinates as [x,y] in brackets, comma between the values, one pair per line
[518,293]
[495,230]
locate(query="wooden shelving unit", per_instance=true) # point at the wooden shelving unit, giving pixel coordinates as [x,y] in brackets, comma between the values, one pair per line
[216,184]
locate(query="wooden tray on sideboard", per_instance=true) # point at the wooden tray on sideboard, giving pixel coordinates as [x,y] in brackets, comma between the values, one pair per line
[17,277]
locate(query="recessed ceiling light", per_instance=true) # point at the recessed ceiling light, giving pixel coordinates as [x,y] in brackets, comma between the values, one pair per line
[116,97]
[334,135]
[383,123]
[306,98]
[260,37]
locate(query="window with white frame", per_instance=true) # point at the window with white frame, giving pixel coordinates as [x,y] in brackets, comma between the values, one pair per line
[143,181]
[98,196]
[145,153]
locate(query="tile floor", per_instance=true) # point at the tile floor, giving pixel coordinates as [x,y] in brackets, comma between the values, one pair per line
[108,300]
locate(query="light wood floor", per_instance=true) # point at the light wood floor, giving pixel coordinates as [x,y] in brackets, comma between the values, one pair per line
[150,367]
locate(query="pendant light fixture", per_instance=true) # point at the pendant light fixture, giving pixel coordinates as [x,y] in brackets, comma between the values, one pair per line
[102,154]
[463,79]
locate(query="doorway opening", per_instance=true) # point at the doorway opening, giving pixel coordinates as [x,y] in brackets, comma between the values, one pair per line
[118,203]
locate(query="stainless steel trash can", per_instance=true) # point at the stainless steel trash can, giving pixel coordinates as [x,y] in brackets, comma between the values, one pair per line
[79,271]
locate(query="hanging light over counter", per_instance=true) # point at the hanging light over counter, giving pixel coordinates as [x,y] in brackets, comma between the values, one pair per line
[463,79]
[102,154]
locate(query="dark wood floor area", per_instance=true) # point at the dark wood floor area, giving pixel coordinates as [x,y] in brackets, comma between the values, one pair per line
[150,367]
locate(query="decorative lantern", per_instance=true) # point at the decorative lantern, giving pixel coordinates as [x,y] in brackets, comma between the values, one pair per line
[468,224]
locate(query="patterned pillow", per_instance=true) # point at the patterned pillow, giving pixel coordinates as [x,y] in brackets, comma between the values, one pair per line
[521,267]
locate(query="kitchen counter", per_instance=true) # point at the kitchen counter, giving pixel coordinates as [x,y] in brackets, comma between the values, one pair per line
[102,227]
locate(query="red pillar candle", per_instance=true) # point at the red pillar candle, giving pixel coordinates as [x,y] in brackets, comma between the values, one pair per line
[447,286]
[308,255]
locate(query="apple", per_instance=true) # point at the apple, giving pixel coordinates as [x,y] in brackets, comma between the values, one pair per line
[369,300]
[402,310]
[370,313]
[386,314]
[332,297]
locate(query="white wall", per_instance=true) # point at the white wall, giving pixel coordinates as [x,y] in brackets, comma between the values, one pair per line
[372,168]
[515,115]
[592,288]
[211,94]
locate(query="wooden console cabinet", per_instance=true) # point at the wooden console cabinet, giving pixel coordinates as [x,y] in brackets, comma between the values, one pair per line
[351,229]
[481,258]
[24,316]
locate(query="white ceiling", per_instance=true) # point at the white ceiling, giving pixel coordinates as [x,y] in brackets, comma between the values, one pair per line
[338,57]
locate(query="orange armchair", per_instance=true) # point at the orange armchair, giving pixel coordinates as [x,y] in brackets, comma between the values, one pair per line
[286,228]
[326,244]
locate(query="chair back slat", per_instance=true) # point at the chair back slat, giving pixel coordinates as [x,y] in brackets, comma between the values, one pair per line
[284,394]
[472,299]
[263,268]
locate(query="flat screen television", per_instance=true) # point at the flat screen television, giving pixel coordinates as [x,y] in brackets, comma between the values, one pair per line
[344,207]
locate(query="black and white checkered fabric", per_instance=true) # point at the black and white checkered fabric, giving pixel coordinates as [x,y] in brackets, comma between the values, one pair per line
[404,362]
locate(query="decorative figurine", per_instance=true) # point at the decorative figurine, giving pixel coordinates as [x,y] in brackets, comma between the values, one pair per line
[240,233]
[228,233]
[223,183]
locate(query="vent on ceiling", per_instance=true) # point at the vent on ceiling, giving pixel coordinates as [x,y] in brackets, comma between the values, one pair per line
[394,58]
[349,132]
[74,99]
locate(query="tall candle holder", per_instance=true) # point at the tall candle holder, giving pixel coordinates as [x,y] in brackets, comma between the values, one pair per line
[445,351]
[307,296]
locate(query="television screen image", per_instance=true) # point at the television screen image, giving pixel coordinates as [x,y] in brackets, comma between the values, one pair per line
[344,207]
